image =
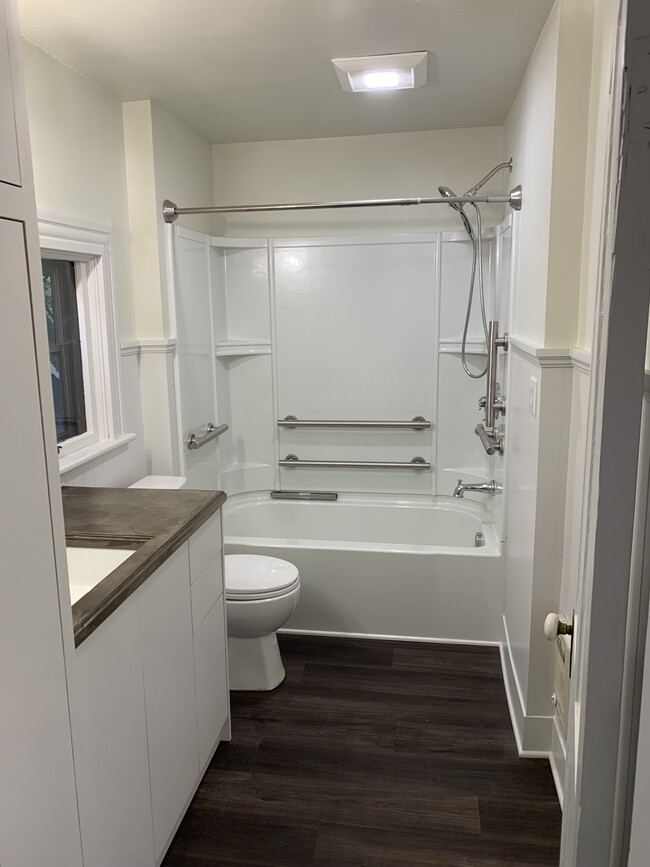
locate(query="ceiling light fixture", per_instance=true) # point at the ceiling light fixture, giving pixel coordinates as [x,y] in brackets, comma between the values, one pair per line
[382,72]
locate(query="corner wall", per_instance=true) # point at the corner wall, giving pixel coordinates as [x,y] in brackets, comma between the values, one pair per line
[394,165]
[77,142]
[165,160]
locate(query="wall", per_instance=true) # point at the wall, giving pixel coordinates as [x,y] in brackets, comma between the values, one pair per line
[604,47]
[78,152]
[77,141]
[165,160]
[528,138]
[395,165]
[547,133]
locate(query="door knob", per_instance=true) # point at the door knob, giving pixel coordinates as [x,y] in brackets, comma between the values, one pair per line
[554,626]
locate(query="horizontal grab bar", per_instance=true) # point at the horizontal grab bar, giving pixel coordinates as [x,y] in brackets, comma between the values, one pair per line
[416,463]
[417,423]
[212,432]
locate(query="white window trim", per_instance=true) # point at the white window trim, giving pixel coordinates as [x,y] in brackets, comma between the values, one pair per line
[89,245]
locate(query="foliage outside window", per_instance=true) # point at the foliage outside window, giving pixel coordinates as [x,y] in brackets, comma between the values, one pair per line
[66,361]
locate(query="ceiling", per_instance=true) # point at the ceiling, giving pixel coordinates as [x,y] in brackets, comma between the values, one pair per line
[256,70]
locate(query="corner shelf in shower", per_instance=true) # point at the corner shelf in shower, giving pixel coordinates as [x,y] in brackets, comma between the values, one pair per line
[241,348]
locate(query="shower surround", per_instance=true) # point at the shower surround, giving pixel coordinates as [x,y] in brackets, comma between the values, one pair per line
[343,329]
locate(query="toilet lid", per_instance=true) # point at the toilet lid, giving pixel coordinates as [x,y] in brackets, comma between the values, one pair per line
[249,575]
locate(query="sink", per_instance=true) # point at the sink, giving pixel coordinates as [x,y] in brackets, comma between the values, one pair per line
[88,566]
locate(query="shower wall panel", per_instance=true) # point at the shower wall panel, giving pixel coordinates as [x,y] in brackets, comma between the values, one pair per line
[356,336]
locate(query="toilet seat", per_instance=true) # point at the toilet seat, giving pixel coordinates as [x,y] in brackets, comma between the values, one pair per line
[250,577]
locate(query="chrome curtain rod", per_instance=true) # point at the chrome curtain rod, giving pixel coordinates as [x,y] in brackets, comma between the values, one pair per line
[171,212]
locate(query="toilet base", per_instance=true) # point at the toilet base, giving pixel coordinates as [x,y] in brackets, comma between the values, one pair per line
[255,663]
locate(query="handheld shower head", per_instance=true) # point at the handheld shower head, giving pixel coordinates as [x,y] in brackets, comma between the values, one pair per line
[448,193]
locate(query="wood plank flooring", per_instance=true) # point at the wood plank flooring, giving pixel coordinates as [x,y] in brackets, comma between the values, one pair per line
[373,753]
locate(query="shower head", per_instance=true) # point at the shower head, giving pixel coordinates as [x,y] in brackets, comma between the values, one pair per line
[447,194]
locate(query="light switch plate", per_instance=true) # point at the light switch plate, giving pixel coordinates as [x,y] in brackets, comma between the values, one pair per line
[532,395]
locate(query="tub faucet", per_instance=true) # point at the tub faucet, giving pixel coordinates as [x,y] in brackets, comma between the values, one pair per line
[492,488]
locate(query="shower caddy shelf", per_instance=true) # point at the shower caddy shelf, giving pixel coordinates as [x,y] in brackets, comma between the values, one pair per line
[241,348]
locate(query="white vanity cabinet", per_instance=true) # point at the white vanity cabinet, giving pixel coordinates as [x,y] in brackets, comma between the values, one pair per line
[165,622]
[152,705]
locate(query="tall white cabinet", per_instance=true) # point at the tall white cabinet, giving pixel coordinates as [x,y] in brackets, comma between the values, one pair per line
[38,808]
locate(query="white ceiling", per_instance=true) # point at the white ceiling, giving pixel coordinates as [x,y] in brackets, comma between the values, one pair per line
[255,70]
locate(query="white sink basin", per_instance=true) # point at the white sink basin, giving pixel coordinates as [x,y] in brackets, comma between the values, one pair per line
[88,566]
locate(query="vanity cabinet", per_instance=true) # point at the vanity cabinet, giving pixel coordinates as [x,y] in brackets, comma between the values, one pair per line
[152,706]
[165,621]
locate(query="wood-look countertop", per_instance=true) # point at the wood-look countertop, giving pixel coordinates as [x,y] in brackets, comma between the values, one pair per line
[153,522]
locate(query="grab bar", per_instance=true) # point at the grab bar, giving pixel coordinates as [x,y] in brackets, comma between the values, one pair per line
[212,432]
[416,463]
[417,423]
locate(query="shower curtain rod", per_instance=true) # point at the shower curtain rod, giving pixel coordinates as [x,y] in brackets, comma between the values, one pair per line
[171,212]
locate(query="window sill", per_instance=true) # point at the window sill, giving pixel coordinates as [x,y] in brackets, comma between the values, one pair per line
[91,453]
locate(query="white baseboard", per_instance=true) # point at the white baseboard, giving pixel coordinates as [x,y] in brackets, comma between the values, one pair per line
[532,733]
[376,637]
[557,760]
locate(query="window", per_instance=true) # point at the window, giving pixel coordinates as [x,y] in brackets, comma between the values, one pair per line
[67,365]
[77,291]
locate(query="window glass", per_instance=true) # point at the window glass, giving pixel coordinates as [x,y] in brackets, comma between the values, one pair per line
[66,362]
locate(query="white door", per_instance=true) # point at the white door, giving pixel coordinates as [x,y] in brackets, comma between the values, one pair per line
[592,820]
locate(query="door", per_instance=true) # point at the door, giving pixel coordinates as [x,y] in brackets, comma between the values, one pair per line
[596,744]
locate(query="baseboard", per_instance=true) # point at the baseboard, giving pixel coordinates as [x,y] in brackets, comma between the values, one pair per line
[557,760]
[514,705]
[532,733]
[376,637]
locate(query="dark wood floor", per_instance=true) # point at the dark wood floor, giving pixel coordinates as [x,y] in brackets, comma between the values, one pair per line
[373,753]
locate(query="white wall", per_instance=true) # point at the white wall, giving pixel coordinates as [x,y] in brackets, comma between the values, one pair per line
[604,46]
[165,160]
[77,140]
[78,152]
[395,165]
[528,138]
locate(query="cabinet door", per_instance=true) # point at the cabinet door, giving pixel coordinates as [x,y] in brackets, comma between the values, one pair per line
[9,163]
[168,670]
[38,810]
[110,734]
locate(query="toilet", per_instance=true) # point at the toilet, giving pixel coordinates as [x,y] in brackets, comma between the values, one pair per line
[261,594]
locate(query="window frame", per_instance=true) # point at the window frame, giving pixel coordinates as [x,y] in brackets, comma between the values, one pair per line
[89,246]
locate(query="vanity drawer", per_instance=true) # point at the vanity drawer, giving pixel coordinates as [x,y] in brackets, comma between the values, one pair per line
[212,709]
[209,643]
[207,588]
[205,545]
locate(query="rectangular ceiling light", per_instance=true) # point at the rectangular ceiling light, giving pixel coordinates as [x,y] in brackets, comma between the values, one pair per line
[382,72]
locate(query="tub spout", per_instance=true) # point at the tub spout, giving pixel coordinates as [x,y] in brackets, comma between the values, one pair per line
[492,488]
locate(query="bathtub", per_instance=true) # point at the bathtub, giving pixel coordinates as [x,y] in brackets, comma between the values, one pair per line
[378,566]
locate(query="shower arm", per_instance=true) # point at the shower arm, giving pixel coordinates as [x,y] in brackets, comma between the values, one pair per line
[474,190]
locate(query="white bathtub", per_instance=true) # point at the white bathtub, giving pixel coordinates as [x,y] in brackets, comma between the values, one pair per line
[377,566]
